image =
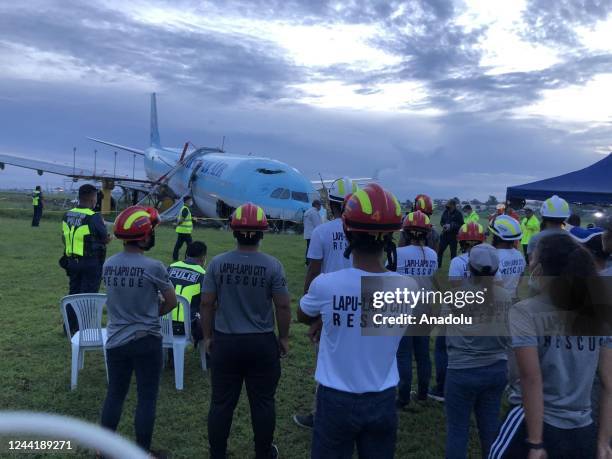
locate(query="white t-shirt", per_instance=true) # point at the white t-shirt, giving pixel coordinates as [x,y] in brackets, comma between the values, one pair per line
[458,268]
[328,243]
[312,219]
[416,261]
[511,267]
[349,361]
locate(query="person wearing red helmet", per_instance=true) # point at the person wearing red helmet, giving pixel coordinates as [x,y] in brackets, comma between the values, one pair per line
[357,374]
[244,290]
[420,262]
[134,345]
[423,203]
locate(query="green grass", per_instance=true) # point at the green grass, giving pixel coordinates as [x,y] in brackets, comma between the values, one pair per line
[35,355]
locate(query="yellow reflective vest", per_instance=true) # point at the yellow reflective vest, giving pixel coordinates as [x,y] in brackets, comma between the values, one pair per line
[36,198]
[76,231]
[187,281]
[186,223]
[473,217]
[530,226]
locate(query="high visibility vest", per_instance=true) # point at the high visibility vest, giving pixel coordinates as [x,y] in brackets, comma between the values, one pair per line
[187,280]
[76,230]
[36,198]
[530,226]
[473,217]
[186,225]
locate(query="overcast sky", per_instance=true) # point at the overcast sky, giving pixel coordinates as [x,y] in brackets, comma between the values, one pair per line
[443,97]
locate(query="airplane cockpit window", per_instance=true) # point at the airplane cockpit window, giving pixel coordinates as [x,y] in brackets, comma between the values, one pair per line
[263,170]
[299,196]
[281,193]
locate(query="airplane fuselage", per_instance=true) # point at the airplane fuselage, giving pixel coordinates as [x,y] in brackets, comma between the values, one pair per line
[220,182]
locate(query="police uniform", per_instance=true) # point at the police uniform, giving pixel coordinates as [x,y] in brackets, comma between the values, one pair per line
[187,278]
[85,237]
[37,204]
[183,231]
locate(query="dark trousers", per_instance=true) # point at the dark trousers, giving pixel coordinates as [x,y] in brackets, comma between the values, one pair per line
[575,443]
[419,345]
[252,359]
[473,389]
[85,274]
[181,238]
[344,420]
[307,247]
[37,215]
[447,240]
[525,253]
[142,356]
[441,361]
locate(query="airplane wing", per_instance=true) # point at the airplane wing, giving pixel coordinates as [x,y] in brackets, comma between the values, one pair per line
[121,147]
[71,171]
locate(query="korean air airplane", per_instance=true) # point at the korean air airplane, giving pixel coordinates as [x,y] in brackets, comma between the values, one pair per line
[219,182]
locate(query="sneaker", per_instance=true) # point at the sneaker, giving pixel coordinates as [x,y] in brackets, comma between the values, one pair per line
[436,396]
[304,420]
[274,454]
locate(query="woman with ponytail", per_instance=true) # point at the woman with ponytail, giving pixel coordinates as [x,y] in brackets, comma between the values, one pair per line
[560,339]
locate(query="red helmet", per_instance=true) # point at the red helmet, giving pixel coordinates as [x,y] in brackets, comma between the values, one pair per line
[249,217]
[471,231]
[346,200]
[136,223]
[372,210]
[423,203]
[416,221]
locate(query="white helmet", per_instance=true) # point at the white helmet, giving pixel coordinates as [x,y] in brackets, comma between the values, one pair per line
[555,207]
[340,189]
[506,228]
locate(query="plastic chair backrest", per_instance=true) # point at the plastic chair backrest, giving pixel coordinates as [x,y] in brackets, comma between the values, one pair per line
[166,321]
[88,309]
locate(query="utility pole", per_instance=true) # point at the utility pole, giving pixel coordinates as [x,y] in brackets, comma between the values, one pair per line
[133,166]
[95,160]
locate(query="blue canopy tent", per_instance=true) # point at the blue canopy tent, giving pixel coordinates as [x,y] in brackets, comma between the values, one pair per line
[591,185]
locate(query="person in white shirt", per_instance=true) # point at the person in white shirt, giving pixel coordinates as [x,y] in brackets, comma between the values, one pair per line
[421,262]
[506,231]
[326,251]
[357,374]
[469,235]
[312,219]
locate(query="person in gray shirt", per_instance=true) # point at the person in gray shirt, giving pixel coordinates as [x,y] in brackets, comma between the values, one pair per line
[134,284]
[477,362]
[557,361]
[243,291]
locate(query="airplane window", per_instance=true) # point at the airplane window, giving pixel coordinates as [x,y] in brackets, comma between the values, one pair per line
[263,170]
[286,194]
[276,193]
[299,196]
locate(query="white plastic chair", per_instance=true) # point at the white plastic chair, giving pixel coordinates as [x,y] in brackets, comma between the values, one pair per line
[178,343]
[91,336]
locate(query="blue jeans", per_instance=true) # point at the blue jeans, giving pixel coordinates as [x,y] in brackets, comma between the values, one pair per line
[142,356]
[441,360]
[420,345]
[344,419]
[479,389]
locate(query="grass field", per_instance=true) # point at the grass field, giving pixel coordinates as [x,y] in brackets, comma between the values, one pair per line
[35,362]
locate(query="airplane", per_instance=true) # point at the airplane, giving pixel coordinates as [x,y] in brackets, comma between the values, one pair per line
[219,182]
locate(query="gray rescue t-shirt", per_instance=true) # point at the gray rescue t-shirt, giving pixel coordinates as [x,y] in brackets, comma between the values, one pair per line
[132,284]
[244,283]
[533,242]
[568,363]
[466,348]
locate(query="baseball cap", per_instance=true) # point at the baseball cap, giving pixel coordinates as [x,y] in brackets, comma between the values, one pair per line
[484,258]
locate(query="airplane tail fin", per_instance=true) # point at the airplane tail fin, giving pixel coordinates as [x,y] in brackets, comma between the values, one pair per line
[155,142]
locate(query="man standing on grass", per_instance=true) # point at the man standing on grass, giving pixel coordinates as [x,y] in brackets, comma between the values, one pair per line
[184,227]
[312,219]
[85,238]
[237,312]
[357,374]
[37,204]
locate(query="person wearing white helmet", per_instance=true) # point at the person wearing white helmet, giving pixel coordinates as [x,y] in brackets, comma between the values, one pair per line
[506,231]
[554,211]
